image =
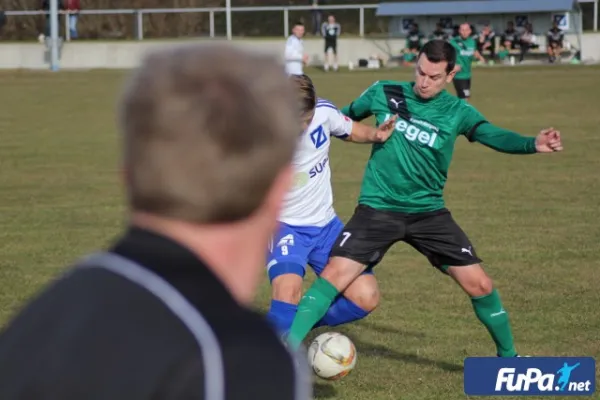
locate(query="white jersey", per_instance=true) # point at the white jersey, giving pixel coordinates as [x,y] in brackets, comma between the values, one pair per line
[310,201]
[294,56]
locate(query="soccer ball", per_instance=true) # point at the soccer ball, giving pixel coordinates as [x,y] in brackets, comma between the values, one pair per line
[332,356]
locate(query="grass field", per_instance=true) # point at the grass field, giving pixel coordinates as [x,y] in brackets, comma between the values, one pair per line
[533,219]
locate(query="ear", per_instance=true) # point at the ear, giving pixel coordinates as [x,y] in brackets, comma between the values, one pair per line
[451,75]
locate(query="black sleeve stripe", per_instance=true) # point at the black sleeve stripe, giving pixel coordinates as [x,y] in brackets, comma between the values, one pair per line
[471,132]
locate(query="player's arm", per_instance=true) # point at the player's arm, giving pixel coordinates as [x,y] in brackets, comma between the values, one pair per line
[362,133]
[344,128]
[477,129]
[506,141]
[360,108]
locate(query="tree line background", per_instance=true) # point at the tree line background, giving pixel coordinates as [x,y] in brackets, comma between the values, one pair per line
[123,26]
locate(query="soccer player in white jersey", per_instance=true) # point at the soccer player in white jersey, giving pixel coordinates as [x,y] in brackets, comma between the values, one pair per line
[309,225]
[294,51]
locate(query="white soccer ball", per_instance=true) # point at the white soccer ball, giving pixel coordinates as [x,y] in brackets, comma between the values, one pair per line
[332,356]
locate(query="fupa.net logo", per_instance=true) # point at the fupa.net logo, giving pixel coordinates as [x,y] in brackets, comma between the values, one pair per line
[510,380]
[552,376]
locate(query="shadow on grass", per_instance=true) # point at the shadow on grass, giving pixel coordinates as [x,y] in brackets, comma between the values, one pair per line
[377,350]
[323,391]
[391,329]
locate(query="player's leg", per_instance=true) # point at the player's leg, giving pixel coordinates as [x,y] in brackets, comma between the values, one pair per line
[362,295]
[362,243]
[286,266]
[355,303]
[438,237]
[327,63]
[335,56]
[460,85]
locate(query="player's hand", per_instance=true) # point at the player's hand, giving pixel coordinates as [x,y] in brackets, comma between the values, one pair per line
[548,141]
[385,130]
[305,59]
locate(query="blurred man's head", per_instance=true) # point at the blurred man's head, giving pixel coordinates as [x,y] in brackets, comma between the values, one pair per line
[307,97]
[331,19]
[465,30]
[209,132]
[554,25]
[298,30]
[435,68]
[414,28]
[486,29]
[510,25]
[439,26]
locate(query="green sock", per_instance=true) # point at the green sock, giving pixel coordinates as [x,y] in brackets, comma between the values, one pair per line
[312,307]
[492,314]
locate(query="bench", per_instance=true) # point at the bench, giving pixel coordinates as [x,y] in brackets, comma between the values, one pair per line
[535,54]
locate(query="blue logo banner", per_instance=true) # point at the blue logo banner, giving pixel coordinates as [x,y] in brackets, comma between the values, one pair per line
[528,376]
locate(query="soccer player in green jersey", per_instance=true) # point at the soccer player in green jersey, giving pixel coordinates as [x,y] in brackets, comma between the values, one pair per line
[401,197]
[466,50]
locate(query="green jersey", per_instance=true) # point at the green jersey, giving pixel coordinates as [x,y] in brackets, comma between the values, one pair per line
[465,52]
[408,172]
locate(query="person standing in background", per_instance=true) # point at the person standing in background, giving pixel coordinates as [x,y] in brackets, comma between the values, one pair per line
[316,15]
[331,30]
[466,51]
[46,8]
[295,59]
[73,8]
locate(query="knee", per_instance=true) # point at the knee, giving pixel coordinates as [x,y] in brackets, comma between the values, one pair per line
[364,293]
[342,272]
[480,286]
[368,300]
[287,288]
[473,279]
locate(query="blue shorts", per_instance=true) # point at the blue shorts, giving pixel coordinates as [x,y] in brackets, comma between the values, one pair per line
[294,247]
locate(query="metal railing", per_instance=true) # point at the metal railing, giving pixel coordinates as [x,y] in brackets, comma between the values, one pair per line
[139,14]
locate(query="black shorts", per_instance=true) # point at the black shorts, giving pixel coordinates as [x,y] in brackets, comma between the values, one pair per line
[463,88]
[370,233]
[330,44]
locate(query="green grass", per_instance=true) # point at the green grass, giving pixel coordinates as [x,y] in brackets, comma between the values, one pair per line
[534,219]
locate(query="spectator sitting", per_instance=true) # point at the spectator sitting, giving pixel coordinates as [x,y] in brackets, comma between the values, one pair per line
[554,42]
[487,41]
[414,41]
[510,37]
[528,41]
[439,33]
[508,41]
